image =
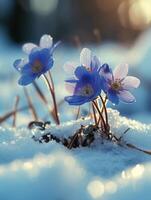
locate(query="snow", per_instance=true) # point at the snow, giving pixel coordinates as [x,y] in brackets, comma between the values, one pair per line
[29,170]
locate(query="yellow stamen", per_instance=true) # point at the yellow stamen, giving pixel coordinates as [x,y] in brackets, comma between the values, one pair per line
[116,86]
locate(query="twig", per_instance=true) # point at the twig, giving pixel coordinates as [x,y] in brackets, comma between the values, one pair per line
[137,148]
[33,111]
[15,111]
[74,138]
[78,113]
[9,114]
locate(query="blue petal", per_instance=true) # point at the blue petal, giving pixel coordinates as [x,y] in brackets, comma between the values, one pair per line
[48,66]
[26,79]
[26,69]
[80,71]
[105,68]
[113,97]
[71,80]
[16,63]
[34,54]
[76,100]
[44,56]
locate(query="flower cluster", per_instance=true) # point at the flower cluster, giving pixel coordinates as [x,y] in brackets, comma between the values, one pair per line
[90,78]
[92,82]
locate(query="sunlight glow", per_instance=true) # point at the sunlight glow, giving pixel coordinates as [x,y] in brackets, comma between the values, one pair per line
[111,187]
[135,173]
[95,188]
[140,13]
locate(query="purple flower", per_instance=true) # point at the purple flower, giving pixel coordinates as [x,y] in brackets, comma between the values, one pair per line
[118,84]
[86,83]
[39,61]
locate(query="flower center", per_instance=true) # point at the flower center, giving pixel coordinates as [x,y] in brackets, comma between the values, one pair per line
[116,86]
[87,90]
[37,66]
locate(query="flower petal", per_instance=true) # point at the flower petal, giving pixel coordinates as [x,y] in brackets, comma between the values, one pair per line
[18,64]
[46,41]
[26,69]
[69,67]
[113,97]
[120,71]
[28,47]
[80,71]
[70,87]
[126,96]
[85,57]
[76,100]
[26,79]
[130,82]
[106,72]
[48,66]
[95,63]
[71,80]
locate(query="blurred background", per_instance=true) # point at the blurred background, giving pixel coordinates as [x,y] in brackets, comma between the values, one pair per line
[76,20]
[118,31]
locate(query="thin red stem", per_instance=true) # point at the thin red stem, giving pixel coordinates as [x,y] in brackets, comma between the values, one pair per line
[52,83]
[78,113]
[94,114]
[15,109]
[102,119]
[105,101]
[53,98]
[104,108]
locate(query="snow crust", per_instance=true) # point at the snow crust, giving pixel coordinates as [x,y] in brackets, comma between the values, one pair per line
[33,171]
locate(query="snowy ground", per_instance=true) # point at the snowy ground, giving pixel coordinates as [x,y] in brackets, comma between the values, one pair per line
[30,170]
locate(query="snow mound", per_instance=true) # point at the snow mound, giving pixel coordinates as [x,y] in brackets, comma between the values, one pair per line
[33,171]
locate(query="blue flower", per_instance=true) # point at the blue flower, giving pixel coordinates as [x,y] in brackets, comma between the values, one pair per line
[87,60]
[118,84]
[39,61]
[86,83]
